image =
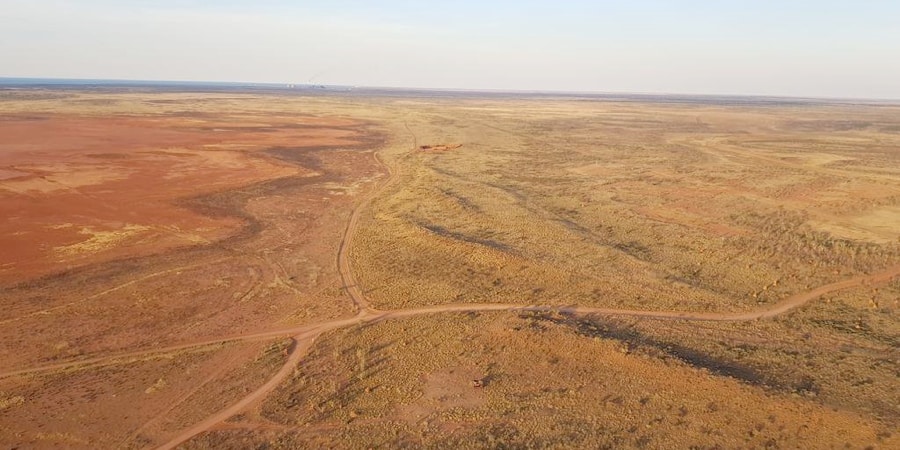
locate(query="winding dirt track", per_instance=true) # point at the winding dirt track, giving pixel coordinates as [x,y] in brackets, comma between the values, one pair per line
[343,258]
[305,335]
[300,346]
[371,315]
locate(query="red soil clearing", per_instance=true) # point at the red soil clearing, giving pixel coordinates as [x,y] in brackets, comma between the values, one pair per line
[75,191]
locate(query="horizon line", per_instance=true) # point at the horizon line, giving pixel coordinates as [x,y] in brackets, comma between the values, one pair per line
[124,82]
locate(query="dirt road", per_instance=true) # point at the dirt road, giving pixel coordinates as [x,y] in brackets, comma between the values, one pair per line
[371,315]
[350,285]
[302,343]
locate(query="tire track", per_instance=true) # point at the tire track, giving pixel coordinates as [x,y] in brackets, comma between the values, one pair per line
[104,292]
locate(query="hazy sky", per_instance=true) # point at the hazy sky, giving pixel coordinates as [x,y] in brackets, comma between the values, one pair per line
[797,48]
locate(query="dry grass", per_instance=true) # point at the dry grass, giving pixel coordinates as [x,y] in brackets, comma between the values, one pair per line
[840,351]
[548,384]
[631,205]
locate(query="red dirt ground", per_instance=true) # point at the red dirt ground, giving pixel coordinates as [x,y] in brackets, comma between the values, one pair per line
[81,190]
[123,232]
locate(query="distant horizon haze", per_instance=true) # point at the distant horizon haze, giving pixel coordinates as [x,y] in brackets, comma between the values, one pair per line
[824,49]
[12,82]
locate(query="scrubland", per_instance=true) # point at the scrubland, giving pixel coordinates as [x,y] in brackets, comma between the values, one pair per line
[703,212]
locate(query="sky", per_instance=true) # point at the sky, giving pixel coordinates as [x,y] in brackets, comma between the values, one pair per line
[843,49]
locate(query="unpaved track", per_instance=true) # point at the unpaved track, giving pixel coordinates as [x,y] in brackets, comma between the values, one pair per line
[182,398]
[304,336]
[111,290]
[347,278]
[302,343]
[371,315]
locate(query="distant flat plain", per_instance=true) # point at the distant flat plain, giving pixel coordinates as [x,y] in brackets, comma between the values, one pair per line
[233,268]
